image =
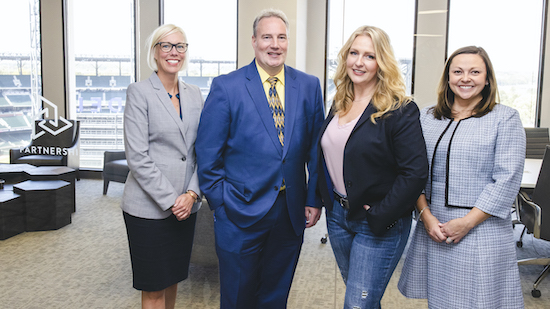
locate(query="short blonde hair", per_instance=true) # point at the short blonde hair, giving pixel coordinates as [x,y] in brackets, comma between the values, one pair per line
[155,37]
[390,93]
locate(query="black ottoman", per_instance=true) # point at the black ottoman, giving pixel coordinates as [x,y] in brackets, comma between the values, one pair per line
[48,203]
[55,173]
[12,214]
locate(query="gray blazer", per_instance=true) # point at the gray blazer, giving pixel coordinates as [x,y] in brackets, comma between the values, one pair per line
[160,147]
[485,164]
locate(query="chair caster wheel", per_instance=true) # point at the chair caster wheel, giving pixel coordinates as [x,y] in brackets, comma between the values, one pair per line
[519,244]
[535,293]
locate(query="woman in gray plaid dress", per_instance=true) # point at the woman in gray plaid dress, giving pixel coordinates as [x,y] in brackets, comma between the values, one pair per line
[462,253]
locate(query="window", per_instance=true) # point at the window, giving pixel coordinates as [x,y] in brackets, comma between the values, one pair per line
[212,45]
[514,30]
[346,16]
[103,61]
[20,78]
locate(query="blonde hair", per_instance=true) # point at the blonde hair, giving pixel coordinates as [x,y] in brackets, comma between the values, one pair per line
[155,37]
[446,97]
[390,93]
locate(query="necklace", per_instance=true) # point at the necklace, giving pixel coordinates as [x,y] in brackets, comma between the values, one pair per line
[177,95]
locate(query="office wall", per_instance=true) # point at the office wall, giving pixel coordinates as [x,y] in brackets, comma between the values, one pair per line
[431,41]
[545,97]
[148,18]
[315,40]
[53,52]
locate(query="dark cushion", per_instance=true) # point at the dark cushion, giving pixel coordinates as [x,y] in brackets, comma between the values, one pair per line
[116,167]
[40,160]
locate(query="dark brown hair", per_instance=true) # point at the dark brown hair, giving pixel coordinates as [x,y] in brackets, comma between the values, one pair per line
[445,96]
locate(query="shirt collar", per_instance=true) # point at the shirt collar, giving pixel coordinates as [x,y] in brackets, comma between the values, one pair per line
[264,75]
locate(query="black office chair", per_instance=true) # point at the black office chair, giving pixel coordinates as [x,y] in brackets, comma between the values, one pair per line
[537,139]
[63,147]
[535,215]
[115,168]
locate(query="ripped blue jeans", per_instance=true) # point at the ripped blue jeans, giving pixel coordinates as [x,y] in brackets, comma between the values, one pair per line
[366,261]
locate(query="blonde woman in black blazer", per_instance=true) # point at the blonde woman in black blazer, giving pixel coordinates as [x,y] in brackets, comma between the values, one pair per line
[161,194]
[372,166]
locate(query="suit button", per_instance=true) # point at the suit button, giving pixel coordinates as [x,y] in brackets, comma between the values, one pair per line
[184,158]
[276,188]
[348,184]
[284,161]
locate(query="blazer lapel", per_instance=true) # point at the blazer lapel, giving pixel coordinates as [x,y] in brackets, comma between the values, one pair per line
[325,125]
[292,87]
[256,91]
[167,103]
[184,105]
[365,116]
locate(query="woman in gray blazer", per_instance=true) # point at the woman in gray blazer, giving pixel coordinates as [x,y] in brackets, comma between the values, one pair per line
[161,195]
[462,253]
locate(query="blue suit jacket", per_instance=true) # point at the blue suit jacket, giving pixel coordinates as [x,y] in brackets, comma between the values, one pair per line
[241,163]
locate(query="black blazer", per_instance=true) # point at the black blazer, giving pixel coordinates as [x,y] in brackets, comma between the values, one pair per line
[385,167]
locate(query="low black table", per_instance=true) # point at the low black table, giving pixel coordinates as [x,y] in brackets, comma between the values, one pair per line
[12,214]
[55,173]
[48,203]
[14,173]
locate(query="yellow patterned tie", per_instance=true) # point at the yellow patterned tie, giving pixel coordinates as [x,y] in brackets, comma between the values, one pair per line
[276,109]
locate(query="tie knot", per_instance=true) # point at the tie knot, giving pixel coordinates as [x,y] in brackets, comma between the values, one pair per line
[272,81]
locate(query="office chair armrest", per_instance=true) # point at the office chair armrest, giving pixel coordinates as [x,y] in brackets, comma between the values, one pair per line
[530,214]
[524,196]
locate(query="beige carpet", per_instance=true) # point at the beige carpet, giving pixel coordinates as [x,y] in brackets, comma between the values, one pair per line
[86,265]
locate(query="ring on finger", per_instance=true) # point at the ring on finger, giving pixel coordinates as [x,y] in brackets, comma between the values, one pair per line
[449,240]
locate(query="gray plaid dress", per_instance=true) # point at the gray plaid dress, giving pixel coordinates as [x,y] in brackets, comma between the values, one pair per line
[480,161]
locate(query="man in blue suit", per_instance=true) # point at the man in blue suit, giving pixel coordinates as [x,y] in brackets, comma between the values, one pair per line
[252,168]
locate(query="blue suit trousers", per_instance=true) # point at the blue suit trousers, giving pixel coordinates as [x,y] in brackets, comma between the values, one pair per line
[257,263]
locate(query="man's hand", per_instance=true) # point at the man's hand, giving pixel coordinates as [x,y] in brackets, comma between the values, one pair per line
[312,216]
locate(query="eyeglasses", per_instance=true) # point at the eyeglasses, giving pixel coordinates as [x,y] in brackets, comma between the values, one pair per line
[167,47]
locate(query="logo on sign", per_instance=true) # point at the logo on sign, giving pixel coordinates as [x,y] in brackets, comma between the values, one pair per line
[55,122]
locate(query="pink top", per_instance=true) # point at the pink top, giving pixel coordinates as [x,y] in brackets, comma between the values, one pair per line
[333,143]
